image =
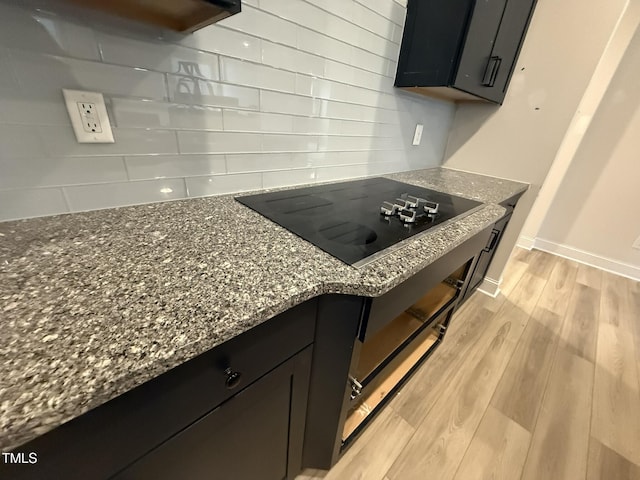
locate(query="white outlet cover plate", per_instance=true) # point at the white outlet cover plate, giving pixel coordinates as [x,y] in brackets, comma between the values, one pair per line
[72,98]
[417,137]
[636,244]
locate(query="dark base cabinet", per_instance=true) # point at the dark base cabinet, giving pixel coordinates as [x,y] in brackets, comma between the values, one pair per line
[367,348]
[234,412]
[489,251]
[248,437]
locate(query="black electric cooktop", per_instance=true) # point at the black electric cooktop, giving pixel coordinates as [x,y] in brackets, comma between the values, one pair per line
[356,219]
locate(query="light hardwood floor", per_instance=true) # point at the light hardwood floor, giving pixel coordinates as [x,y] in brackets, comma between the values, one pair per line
[541,382]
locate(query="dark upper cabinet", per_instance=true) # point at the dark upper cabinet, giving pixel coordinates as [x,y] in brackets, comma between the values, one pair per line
[462,49]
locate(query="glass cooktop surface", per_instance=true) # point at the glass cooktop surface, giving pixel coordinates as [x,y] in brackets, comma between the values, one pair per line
[356,219]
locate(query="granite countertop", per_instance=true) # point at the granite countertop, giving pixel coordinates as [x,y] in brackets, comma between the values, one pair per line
[93,304]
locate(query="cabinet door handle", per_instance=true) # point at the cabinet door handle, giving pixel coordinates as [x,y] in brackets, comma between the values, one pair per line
[233,378]
[491,72]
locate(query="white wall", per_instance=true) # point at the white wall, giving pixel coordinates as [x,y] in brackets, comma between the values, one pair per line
[286,92]
[520,139]
[595,215]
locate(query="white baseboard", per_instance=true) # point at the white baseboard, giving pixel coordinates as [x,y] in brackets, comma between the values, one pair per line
[526,242]
[490,287]
[581,256]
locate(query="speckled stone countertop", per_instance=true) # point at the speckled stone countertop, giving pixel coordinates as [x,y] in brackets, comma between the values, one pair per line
[93,304]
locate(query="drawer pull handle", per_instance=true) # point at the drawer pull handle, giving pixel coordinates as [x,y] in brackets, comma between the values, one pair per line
[233,378]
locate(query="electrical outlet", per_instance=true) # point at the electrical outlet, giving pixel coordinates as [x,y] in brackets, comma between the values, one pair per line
[90,121]
[417,136]
[88,116]
[636,244]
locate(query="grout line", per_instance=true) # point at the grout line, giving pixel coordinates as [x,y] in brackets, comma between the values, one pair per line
[126,168]
[352,22]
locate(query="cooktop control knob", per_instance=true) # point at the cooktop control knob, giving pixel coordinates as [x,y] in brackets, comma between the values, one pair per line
[400,203]
[431,208]
[408,216]
[415,202]
[388,208]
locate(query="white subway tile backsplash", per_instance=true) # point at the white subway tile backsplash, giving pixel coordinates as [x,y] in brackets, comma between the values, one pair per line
[291,59]
[336,7]
[324,46]
[40,171]
[38,31]
[45,76]
[288,177]
[148,114]
[393,10]
[356,76]
[349,111]
[195,117]
[245,121]
[255,75]
[289,143]
[341,172]
[317,159]
[8,82]
[221,184]
[342,143]
[260,162]
[291,104]
[34,202]
[167,166]
[19,108]
[225,42]
[162,57]
[316,125]
[218,142]
[186,89]
[255,22]
[61,142]
[281,94]
[297,11]
[17,141]
[93,197]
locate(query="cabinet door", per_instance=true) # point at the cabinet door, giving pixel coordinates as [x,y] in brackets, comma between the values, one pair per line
[508,42]
[257,433]
[484,261]
[476,63]
[432,36]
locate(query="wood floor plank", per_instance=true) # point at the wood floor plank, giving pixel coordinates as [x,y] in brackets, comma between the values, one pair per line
[442,438]
[374,452]
[423,390]
[519,253]
[541,263]
[616,397]
[580,328]
[613,307]
[560,441]
[520,391]
[526,294]
[589,276]
[559,286]
[512,275]
[498,450]
[605,464]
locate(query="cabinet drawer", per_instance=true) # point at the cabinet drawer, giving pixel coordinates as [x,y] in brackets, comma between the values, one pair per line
[249,436]
[132,424]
